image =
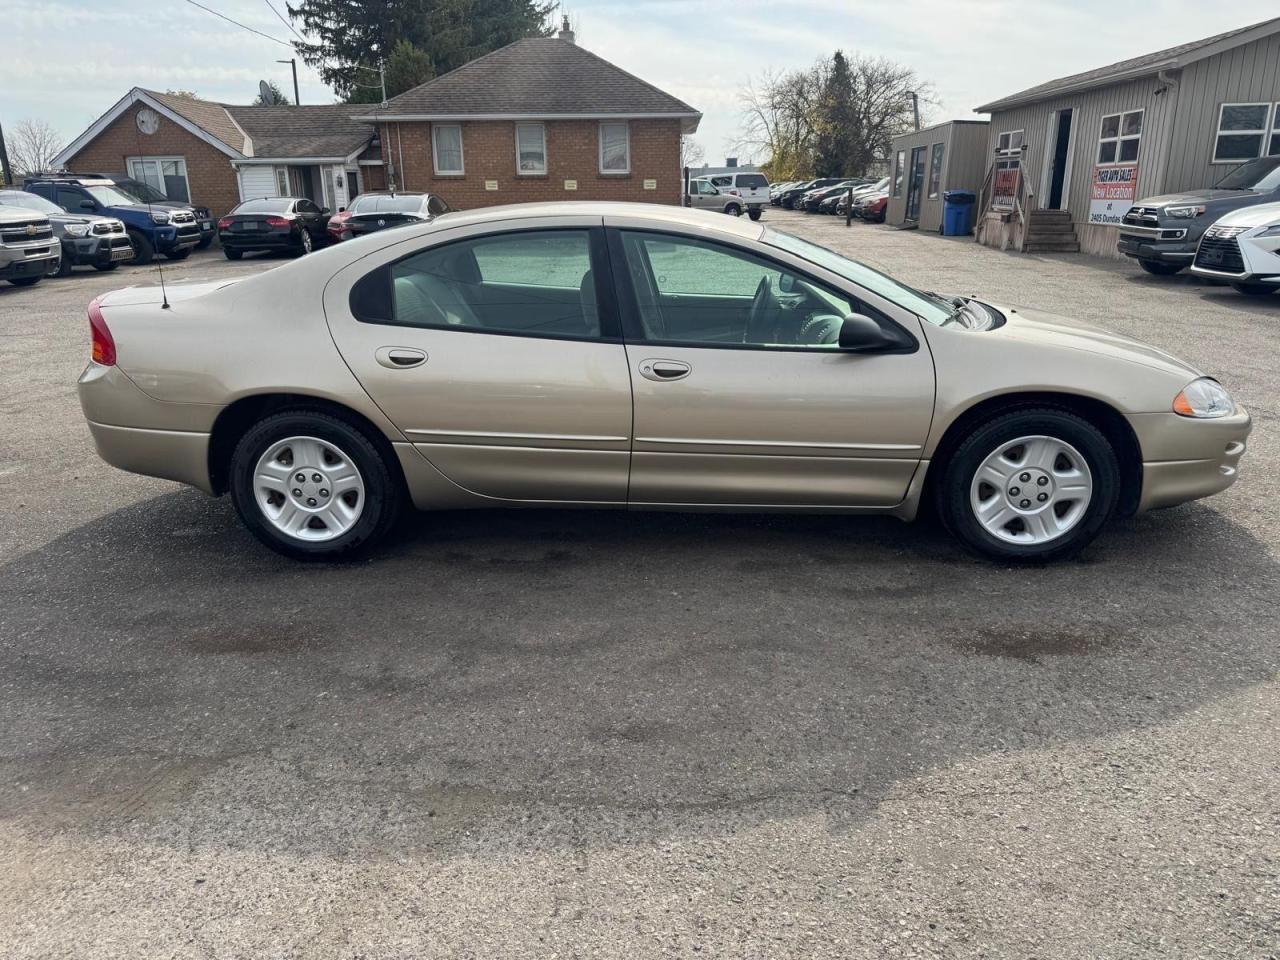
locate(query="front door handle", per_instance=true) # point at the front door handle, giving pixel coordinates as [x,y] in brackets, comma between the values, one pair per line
[400,358]
[662,370]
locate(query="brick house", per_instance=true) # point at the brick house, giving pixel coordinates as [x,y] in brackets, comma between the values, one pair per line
[216,154]
[538,119]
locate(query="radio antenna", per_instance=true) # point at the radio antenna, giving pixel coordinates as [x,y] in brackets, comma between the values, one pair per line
[137,133]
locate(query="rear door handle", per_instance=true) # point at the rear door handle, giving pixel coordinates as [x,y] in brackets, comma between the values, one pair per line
[662,370]
[400,358]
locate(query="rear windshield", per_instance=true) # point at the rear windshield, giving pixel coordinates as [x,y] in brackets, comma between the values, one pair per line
[401,204]
[752,180]
[265,205]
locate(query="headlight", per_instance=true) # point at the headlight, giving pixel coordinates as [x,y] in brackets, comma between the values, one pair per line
[76,229]
[159,218]
[1204,399]
[1183,213]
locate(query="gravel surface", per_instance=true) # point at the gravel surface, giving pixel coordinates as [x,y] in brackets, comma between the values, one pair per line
[548,734]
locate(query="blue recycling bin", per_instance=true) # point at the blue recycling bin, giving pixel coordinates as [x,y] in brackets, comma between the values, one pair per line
[957,212]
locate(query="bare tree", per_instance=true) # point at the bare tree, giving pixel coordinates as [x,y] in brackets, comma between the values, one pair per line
[691,153]
[32,145]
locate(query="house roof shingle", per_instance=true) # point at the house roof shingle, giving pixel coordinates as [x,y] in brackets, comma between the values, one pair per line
[1144,65]
[307,131]
[209,116]
[542,77]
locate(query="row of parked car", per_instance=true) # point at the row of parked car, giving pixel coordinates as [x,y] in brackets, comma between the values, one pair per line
[833,195]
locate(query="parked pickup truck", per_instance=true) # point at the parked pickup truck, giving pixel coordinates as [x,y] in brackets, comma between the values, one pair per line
[149,194]
[28,248]
[89,239]
[173,233]
[1162,233]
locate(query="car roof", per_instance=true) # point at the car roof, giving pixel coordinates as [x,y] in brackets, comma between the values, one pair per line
[659,213]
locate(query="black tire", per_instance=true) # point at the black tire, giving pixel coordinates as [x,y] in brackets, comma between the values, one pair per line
[25,281]
[1159,268]
[232,254]
[64,267]
[383,489]
[1255,289]
[143,252]
[178,254]
[755,213]
[105,267]
[733,210]
[951,492]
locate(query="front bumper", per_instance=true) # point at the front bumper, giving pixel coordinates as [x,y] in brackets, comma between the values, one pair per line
[1186,459]
[17,263]
[1154,243]
[169,239]
[97,251]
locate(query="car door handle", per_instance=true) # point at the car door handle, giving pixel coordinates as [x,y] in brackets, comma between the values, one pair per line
[400,358]
[661,370]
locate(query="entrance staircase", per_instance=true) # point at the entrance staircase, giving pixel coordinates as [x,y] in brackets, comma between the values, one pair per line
[1050,231]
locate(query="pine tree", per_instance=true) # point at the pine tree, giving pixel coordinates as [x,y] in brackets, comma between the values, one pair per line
[836,126]
[352,35]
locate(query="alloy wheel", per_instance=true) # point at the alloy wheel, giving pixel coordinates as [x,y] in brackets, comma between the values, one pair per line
[1031,490]
[308,489]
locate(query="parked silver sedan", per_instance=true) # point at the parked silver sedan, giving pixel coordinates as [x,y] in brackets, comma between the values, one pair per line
[642,357]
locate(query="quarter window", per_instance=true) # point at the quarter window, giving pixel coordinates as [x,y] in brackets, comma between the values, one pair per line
[693,292]
[1247,131]
[935,170]
[531,148]
[166,174]
[536,283]
[615,148]
[446,148]
[1120,138]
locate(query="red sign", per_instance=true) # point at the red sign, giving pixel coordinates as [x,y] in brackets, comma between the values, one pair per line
[1005,188]
[1114,188]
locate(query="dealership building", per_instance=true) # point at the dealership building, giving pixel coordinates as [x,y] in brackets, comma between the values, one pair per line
[1066,159]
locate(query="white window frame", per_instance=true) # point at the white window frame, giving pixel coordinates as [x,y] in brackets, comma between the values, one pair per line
[1120,138]
[1270,128]
[600,147]
[933,190]
[435,153]
[186,175]
[899,173]
[542,171]
[282,181]
[1010,151]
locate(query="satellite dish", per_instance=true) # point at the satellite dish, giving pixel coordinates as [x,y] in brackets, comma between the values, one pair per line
[265,92]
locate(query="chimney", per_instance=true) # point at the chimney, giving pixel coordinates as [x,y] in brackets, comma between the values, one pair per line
[730,161]
[566,32]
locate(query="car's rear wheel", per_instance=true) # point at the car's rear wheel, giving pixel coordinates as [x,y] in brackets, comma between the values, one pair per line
[1030,485]
[755,213]
[1159,268]
[232,254]
[25,281]
[1255,289]
[305,243]
[312,486]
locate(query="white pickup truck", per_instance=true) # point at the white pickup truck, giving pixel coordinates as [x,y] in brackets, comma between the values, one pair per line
[28,248]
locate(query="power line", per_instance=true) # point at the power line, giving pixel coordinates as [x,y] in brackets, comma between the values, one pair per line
[284,21]
[283,43]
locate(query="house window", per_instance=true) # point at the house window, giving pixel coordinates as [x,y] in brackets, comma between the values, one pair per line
[615,148]
[899,169]
[1009,143]
[935,170]
[166,174]
[1247,131]
[1120,138]
[446,148]
[531,148]
[282,182]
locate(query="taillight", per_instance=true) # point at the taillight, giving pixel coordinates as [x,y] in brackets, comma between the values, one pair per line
[104,346]
[278,222]
[224,223]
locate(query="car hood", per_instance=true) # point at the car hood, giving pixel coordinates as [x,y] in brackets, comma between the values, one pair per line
[1191,196]
[65,218]
[1261,215]
[1048,329]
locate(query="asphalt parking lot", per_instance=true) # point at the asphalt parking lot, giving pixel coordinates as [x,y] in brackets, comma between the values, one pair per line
[544,734]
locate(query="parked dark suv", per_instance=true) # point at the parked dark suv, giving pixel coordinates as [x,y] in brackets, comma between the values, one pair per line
[172,233]
[1162,233]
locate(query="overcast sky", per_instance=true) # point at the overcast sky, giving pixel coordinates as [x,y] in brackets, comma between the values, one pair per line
[69,60]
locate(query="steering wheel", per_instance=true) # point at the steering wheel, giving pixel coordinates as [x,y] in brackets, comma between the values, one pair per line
[821,328]
[762,323]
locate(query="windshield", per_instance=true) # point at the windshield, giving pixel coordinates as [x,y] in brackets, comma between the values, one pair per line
[383,204]
[20,198]
[265,205]
[111,196]
[143,191]
[1261,175]
[932,309]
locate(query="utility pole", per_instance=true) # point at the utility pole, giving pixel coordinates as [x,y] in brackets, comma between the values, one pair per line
[6,172]
[297,100]
[382,78]
[391,166]
[915,107]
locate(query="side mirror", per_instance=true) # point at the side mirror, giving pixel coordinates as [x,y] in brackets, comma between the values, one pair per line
[860,334]
[325,211]
[88,205]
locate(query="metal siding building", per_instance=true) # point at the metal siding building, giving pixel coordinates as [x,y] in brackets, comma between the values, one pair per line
[964,155]
[1179,94]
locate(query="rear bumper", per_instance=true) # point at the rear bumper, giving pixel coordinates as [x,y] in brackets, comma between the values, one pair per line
[1185,459]
[167,454]
[284,240]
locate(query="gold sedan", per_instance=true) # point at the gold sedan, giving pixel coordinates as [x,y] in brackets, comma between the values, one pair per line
[638,357]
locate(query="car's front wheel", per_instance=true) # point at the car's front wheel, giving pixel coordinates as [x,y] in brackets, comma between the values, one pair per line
[312,486]
[1255,289]
[1159,268]
[1030,485]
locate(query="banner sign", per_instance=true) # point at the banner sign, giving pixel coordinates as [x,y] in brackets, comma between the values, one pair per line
[1115,187]
[1005,188]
